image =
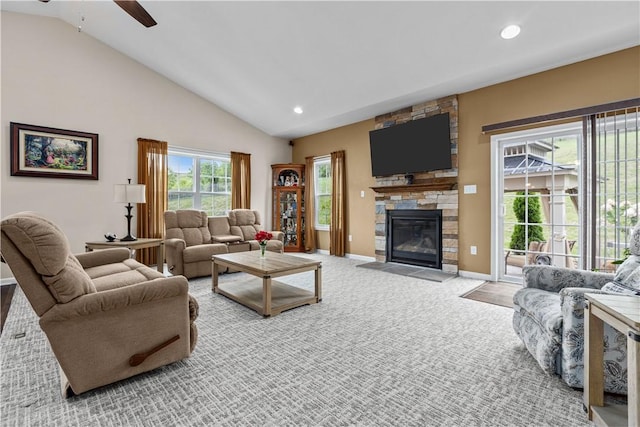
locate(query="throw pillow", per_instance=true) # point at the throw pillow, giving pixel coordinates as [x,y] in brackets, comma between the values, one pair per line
[626,284]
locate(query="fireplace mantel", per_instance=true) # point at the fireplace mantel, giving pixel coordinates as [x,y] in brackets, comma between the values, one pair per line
[433,184]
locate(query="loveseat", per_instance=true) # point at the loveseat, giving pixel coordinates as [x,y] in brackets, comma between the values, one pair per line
[192,238]
[101,311]
[549,317]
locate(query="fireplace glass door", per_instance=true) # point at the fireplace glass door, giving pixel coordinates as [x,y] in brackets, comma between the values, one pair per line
[414,237]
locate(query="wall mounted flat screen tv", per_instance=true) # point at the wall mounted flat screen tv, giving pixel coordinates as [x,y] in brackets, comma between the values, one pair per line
[417,146]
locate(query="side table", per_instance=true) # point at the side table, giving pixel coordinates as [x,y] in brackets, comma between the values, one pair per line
[141,243]
[622,312]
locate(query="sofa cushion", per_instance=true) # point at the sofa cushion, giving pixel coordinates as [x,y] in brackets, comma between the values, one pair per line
[243,217]
[119,274]
[203,252]
[189,225]
[244,223]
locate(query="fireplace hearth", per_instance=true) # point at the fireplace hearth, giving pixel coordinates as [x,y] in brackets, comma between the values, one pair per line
[414,237]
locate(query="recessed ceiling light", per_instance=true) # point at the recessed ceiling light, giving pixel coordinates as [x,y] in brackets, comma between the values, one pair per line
[297,110]
[510,31]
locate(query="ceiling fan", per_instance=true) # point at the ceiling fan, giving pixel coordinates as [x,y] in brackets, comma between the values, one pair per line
[134,9]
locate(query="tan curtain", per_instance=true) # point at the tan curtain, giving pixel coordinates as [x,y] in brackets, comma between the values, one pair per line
[310,207]
[152,172]
[240,180]
[337,229]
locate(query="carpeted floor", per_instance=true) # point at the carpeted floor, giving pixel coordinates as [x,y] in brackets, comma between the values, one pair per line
[379,350]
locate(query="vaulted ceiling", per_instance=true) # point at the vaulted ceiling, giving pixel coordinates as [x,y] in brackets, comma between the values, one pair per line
[344,62]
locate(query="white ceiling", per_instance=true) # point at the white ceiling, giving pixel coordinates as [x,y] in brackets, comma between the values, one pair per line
[346,61]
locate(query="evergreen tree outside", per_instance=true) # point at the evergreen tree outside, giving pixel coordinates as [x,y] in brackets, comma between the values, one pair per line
[530,214]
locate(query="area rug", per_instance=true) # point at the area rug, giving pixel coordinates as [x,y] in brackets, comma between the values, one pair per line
[379,350]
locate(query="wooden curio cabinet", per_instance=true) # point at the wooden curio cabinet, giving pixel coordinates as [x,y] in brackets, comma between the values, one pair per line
[288,204]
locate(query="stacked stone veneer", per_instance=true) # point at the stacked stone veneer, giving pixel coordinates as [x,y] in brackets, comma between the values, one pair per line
[405,198]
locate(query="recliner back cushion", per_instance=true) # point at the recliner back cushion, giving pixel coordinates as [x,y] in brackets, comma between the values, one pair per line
[39,240]
[219,225]
[189,225]
[244,223]
[47,249]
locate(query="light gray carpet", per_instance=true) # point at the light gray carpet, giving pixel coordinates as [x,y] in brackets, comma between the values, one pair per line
[380,350]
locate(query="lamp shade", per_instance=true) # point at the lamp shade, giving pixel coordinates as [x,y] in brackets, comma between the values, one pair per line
[129,193]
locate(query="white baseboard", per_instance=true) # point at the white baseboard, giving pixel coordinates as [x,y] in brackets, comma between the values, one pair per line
[360,257]
[474,275]
[350,256]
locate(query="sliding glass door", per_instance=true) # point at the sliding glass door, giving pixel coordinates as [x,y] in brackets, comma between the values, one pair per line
[538,197]
[614,181]
[566,195]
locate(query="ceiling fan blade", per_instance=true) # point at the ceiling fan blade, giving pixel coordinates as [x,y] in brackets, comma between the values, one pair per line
[136,10]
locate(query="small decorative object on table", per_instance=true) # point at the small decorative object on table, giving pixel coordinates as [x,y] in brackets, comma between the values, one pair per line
[110,237]
[262,237]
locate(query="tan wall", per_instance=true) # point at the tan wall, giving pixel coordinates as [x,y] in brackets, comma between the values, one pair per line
[54,76]
[601,80]
[354,139]
[608,78]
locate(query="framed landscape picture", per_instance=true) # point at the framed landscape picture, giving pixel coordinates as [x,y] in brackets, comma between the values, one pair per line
[53,153]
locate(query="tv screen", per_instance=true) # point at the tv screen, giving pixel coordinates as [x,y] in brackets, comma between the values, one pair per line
[417,146]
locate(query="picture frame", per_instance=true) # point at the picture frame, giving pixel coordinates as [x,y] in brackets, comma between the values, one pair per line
[53,153]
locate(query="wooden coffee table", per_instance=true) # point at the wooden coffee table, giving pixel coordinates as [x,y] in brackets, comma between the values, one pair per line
[264,295]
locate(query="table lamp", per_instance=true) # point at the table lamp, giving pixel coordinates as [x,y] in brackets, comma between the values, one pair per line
[129,193]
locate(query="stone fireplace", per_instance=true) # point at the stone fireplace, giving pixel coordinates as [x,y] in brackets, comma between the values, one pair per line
[427,191]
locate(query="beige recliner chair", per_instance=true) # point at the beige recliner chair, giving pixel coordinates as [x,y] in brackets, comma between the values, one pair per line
[107,317]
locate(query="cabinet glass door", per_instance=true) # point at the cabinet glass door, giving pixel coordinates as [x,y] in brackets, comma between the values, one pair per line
[288,201]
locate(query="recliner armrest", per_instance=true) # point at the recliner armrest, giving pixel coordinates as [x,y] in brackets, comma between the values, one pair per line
[177,244]
[118,298]
[102,257]
[278,235]
[229,238]
[574,297]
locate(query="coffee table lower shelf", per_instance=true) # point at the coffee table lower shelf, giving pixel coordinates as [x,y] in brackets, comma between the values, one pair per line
[250,293]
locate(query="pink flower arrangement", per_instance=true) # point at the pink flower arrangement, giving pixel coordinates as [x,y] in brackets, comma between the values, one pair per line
[263,236]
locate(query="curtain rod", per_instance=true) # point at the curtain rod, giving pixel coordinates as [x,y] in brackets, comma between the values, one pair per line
[579,112]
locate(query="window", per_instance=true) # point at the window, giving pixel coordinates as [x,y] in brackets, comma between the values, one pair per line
[199,181]
[322,182]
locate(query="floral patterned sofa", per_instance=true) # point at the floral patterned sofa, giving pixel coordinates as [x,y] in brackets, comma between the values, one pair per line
[549,317]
